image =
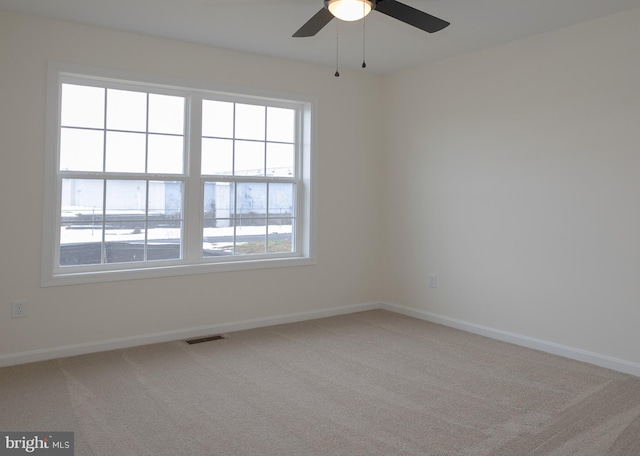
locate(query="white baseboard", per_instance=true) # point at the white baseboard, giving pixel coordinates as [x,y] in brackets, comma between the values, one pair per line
[168,336]
[608,362]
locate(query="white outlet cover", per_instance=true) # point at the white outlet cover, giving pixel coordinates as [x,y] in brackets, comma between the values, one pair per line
[19,309]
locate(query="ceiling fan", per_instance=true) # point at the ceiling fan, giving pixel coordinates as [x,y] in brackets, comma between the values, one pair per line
[352,10]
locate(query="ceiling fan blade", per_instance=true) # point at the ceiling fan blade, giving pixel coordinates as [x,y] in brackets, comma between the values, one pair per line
[411,16]
[315,24]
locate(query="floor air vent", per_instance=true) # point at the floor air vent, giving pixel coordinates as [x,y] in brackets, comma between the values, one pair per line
[204,339]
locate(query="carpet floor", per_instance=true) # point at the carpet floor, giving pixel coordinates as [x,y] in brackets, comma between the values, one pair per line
[369,383]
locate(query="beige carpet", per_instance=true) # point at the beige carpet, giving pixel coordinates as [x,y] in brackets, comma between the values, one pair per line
[371,383]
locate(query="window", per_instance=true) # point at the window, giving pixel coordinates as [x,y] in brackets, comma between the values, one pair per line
[150,178]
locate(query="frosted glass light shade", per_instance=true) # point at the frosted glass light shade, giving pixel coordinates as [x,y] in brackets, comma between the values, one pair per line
[349,10]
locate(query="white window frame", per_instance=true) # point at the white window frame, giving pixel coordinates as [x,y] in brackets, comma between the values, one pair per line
[192,262]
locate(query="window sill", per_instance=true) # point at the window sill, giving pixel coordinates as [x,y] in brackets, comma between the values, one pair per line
[85,277]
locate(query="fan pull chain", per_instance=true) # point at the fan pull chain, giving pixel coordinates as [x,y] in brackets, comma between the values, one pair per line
[337,51]
[364,35]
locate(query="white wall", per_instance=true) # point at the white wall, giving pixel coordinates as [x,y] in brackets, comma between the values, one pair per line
[348,160]
[514,174]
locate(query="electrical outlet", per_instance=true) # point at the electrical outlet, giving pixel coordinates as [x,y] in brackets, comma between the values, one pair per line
[432,280]
[19,309]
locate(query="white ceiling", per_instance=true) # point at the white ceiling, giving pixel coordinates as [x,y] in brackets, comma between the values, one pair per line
[265,26]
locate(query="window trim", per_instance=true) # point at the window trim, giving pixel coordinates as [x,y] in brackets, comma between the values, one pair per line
[52,275]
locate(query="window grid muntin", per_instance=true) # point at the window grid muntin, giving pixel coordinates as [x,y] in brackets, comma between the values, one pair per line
[104,218]
[296,143]
[299,107]
[131,86]
[235,214]
[107,176]
[235,178]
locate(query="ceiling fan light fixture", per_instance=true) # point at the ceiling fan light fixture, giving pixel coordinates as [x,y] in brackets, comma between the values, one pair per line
[349,10]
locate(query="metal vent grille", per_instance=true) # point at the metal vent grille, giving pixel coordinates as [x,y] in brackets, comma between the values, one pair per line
[204,339]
